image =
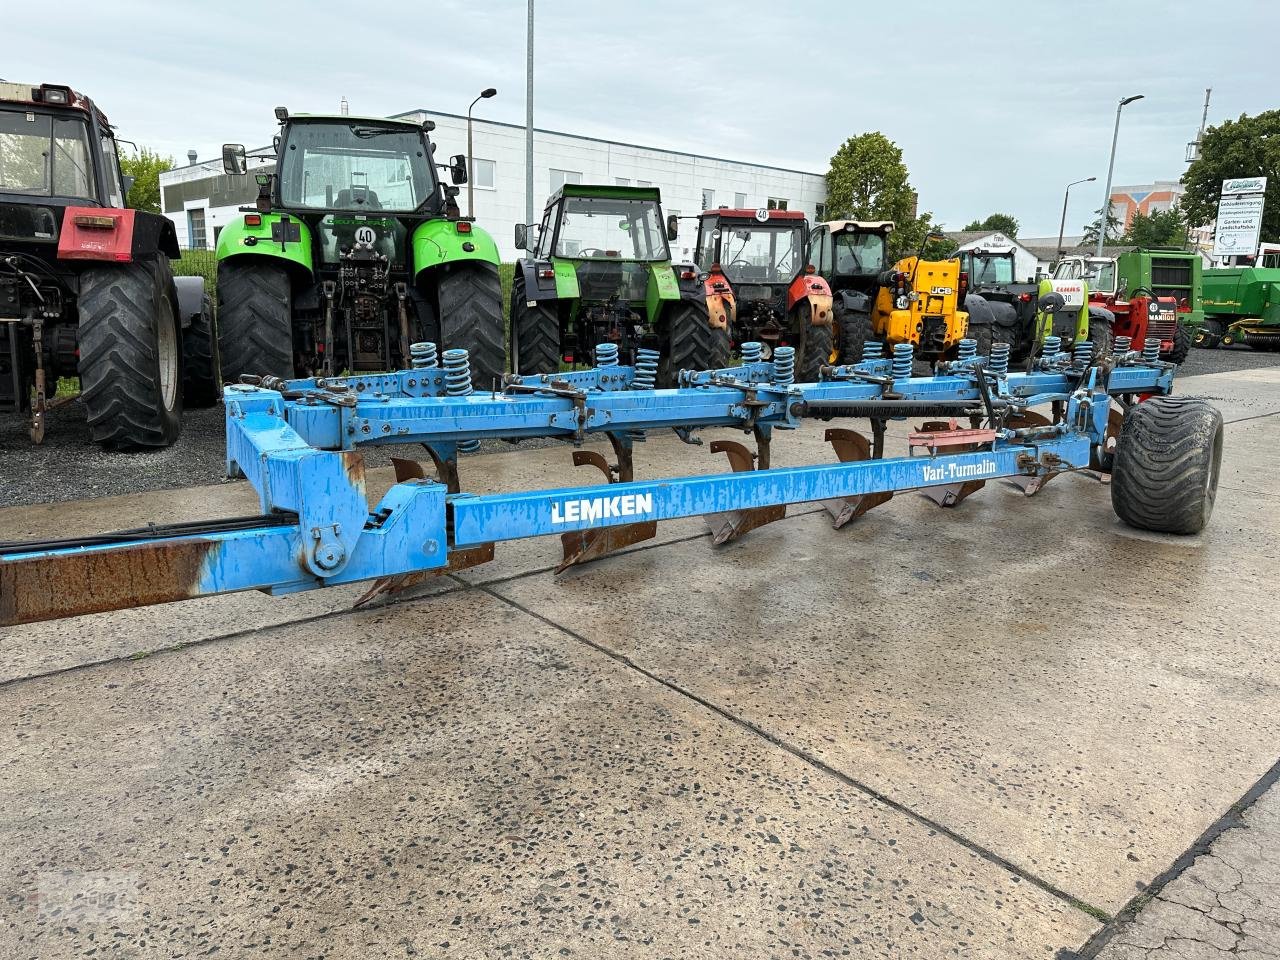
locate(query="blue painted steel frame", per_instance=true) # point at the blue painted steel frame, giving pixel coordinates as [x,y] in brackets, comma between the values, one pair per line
[297,445]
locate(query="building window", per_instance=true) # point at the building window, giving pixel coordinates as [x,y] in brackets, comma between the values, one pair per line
[777,203]
[195,230]
[820,212]
[622,181]
[484,173]
[708,199]
[560,177]
[740,201]
[643,183]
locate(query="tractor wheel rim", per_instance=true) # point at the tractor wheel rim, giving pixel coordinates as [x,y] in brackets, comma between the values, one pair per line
[167,355]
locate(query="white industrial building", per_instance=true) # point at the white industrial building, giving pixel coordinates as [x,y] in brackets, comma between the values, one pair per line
[199,198]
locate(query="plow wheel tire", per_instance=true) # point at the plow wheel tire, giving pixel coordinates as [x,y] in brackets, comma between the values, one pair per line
[855,331]
[692,344]
[470,295]
[537,331]
[255,326]
[1100,335]
[201,380]
[1182,337]
[1165,475]
[131,354]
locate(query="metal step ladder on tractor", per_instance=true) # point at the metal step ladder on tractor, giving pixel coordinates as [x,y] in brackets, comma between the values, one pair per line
[299,444]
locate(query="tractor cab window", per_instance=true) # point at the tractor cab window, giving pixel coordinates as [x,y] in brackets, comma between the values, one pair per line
[355,167]
[990,269]
[820,250]
[1068,270]
[608,228]
[1102,276]
[859,253]
[44,155]
[114,192]
[756,252]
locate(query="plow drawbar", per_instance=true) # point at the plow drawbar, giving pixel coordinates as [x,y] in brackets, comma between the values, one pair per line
[298,443]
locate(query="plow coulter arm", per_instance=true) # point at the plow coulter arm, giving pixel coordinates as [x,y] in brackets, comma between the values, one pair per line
[297,442]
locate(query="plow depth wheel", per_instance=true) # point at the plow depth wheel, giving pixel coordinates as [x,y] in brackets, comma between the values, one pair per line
[1165,474]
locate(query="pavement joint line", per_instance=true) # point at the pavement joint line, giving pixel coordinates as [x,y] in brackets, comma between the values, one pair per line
[1234,817]
[984,853]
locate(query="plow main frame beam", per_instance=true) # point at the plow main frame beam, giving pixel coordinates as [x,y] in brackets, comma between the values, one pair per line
[298,448]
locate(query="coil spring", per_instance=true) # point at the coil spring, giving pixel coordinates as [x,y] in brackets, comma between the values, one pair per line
[1121,345]
[967,349]
[1052,345]
[646,369]
[903,358]
[751,351]
[606,354]
[998,362]
[1151,350]
[784,366]
[872,350]
[423,355]
[1084,351]
[457,383]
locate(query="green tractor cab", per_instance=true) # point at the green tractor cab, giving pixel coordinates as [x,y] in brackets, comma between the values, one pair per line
[599,271]
[1002,308]
[354,250]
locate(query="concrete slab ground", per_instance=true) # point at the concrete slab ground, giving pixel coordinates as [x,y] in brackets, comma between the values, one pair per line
[910,737]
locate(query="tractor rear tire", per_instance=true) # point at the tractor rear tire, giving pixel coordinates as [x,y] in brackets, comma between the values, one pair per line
[855,331]
[201,379]
[818,341]
[470,296]
[131,354]
[537,334]
[1165,474]
[1182,338]
[255,319]
[1100,335]
[692,344]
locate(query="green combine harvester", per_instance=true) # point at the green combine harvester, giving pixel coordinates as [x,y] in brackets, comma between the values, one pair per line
[353,251]
[1242,305]
[599,272]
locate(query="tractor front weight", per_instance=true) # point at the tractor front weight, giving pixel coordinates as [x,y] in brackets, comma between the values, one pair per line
[298,442]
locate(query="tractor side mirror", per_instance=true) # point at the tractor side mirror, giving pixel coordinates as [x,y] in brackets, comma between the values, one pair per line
[127,181]
[234,161]
[458,168]
[1123,288]
[673,227]
[522,236]
[1051,303]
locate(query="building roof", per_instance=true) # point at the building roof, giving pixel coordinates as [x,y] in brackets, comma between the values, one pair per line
[1051,252]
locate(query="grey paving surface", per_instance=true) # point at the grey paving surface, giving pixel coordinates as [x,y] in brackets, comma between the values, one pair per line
[906,738]
[1225,904]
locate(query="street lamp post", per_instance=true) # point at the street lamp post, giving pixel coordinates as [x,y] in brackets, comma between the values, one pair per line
[471,178]
[1063,225]
[1106,198]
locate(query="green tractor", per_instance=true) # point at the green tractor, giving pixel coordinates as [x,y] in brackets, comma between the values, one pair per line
[353,251]
[600,272]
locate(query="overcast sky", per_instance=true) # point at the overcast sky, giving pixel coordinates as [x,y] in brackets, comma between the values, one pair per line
[996,105]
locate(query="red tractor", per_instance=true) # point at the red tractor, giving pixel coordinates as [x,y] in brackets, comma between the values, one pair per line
[86,289]
[755,264]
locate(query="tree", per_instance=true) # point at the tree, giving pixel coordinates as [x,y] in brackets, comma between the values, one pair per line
[868,181]
[1113,228]
[1161,228]
[1248,147]
[997,223]
[145,169]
